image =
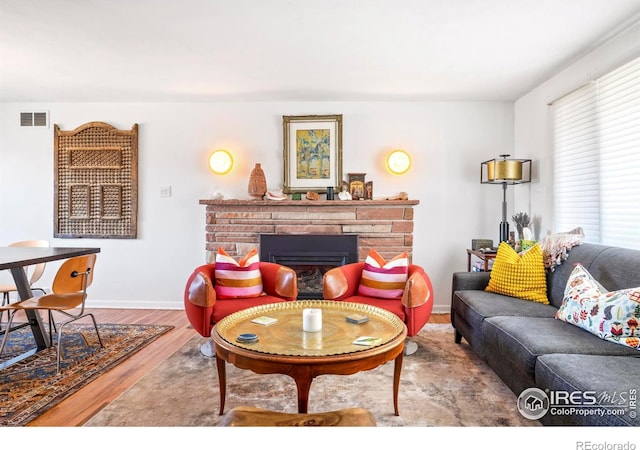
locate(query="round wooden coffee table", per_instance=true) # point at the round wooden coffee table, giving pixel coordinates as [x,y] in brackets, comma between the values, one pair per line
[283,347]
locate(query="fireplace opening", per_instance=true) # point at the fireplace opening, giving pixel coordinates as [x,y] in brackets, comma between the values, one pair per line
[310,255]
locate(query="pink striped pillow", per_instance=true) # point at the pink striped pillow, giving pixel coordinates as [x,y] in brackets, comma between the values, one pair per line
[238,279]
[384,279]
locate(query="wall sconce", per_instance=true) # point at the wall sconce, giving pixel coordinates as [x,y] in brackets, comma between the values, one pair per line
[398,162]
[221,162]
[505,171]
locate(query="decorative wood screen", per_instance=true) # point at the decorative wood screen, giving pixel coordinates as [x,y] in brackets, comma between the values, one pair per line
[96,182]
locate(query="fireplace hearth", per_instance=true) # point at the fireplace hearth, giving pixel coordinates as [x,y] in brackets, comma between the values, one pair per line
[310,255]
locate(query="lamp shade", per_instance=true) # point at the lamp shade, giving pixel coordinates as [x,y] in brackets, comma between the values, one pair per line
[509,171]
[398,162]
[221,162]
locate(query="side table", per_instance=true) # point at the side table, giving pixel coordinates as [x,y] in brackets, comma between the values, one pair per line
[483,256]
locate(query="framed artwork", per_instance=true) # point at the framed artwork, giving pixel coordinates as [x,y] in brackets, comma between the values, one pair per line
[356,185]
[312,153]
[368,190]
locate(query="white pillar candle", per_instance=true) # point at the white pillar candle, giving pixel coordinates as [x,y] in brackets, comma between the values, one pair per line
[311,319]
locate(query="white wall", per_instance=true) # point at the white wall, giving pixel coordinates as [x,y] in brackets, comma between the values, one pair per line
[448,141]
[533,132]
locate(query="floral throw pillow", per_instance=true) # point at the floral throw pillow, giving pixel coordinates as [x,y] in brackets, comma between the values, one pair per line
[613,316]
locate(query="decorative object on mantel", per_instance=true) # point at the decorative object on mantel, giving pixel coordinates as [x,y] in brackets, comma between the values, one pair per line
[257,183]
[275,194]
[329,192]
[356,185]
[344,195]
[312,196]
[368,190]
[95,182]
[400,196]
[312,152]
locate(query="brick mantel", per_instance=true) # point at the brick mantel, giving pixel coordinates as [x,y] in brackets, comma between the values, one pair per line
[236,225]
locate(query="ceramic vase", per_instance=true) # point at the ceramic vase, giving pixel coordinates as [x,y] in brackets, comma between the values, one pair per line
[257,183]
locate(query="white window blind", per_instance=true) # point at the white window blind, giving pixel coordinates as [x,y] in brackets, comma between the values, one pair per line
[597,159]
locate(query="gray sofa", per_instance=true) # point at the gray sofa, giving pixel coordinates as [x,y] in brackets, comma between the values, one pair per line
[527,347]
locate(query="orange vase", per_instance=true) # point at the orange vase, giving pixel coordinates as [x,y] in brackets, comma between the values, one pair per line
[257,183]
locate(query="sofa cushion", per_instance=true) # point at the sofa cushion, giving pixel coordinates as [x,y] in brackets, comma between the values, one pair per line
[521,276]
[384,279]
[519,341]
[606,376]
[473,307]
[238,279]
[613,316]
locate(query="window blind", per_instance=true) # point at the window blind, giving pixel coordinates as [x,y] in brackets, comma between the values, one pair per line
[597,159]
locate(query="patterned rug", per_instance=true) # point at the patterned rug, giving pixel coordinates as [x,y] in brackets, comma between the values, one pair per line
[32,386]
[442,384]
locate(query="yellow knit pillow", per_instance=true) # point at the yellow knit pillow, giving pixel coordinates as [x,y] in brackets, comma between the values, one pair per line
[522,276]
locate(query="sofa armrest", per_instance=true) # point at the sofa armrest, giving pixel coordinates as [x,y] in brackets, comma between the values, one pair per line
[470,281]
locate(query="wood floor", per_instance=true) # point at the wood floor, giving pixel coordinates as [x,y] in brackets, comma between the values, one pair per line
[84,404]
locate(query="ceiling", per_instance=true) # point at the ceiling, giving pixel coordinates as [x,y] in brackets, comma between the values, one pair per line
[287,50]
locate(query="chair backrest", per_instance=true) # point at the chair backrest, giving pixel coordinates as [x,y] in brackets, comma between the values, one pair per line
[74,275]
[33,272]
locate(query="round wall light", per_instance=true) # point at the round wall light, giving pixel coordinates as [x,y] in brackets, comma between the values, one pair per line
[398,162]
[221,162]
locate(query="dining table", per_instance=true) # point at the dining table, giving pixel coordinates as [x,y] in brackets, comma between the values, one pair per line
[16,259]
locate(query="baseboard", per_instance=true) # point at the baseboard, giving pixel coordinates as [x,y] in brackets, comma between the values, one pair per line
[134,304]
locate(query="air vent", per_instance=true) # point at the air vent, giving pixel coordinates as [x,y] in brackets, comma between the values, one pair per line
[34,119]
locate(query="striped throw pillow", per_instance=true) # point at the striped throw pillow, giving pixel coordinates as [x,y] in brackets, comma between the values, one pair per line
[384,279]
[237,279]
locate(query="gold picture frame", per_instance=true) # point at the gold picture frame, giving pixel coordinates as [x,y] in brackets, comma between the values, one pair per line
[312,153]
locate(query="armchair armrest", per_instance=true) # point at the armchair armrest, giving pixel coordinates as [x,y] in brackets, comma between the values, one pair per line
[342,282]
[199,299]
[279,281]
[418,289]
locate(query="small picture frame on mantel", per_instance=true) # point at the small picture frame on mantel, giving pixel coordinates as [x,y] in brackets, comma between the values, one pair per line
[368,190]
[356,185]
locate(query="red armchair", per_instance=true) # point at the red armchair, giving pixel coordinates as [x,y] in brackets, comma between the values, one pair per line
[204,309]
[413,308]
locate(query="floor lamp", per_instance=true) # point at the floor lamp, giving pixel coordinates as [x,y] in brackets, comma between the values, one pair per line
[504,172]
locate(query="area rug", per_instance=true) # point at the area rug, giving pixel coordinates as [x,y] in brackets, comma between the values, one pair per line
[32,386]
[442,384]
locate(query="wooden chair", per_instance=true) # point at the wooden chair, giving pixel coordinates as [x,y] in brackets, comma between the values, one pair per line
[69,292]
[34,273]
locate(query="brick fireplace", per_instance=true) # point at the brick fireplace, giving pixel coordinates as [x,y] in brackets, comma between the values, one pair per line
[236,225]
